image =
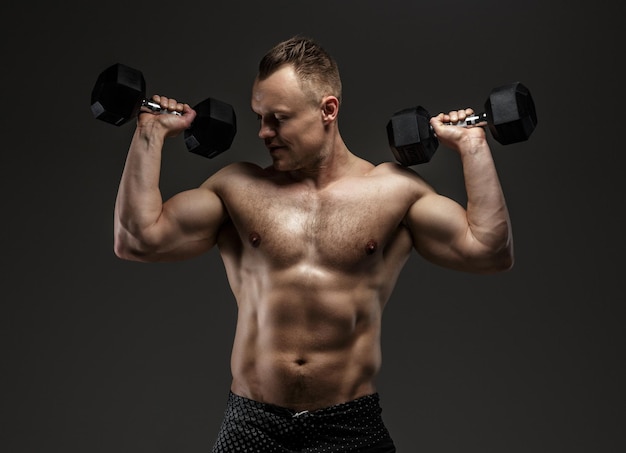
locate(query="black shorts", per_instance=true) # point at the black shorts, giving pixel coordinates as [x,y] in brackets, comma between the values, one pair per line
[253,427]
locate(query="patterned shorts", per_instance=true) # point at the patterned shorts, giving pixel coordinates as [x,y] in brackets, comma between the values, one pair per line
[253,427]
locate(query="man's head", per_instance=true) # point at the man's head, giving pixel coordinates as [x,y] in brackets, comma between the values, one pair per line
[316,69]
[296,97]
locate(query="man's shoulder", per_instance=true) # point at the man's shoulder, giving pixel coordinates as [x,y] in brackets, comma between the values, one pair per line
[396,177]
[237,171]
[239,179]
[393,170]
[244,169]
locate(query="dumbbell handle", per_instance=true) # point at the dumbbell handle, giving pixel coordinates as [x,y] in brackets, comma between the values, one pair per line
[156,108]
[470,120]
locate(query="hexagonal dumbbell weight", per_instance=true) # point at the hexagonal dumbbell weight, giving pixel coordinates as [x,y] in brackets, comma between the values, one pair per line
[509,114]
[120,92]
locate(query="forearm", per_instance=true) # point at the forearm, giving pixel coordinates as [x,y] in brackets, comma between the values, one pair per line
[139,203]
[487,213]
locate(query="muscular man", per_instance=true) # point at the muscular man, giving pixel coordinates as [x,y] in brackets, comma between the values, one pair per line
[312,247]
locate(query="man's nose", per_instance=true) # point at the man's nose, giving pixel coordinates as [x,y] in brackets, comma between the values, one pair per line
[266,131]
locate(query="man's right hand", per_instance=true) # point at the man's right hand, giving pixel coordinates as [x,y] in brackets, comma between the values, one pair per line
[167,124]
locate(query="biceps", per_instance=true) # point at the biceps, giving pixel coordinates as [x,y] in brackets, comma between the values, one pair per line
[194,215]
[439,228]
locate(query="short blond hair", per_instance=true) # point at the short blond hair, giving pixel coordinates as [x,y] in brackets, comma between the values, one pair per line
[313,65]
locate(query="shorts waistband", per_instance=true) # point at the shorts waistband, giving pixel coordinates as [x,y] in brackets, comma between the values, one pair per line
[367,401]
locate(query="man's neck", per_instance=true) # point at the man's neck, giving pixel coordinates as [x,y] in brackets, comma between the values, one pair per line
[338,163]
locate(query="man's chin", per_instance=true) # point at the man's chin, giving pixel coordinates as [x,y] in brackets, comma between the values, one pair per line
[281,169]
[281,165]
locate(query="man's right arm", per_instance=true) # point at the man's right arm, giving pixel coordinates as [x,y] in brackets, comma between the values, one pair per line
[145,227]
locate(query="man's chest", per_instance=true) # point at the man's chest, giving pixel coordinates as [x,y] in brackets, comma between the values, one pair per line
[340,227]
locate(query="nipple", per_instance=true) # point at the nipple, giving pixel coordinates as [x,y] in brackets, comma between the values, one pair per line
[255,239]
[371,247]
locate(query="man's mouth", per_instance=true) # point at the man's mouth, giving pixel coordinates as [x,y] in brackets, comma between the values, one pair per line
[273,148]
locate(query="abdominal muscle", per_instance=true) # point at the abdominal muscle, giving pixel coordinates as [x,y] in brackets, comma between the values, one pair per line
[306,338]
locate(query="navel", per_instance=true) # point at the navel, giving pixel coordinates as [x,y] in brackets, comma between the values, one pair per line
[370,247]
[255,239]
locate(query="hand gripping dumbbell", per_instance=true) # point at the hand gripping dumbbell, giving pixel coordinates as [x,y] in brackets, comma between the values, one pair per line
[120,92]
[509,113]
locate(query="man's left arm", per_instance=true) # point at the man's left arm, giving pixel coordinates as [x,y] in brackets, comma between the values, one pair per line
[477,238]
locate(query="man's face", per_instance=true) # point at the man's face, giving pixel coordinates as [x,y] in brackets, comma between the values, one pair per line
[291,123]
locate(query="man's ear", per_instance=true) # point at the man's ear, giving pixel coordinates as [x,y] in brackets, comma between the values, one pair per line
[330,109]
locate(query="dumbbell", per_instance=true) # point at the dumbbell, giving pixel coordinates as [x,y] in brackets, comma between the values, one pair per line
[509,113]
[120,93]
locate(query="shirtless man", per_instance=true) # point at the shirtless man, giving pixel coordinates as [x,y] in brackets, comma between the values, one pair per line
[312,247]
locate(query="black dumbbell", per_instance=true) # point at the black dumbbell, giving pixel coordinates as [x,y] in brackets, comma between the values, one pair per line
[120,92]
[509,113]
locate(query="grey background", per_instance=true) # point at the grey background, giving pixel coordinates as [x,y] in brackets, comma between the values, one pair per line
[102,355]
